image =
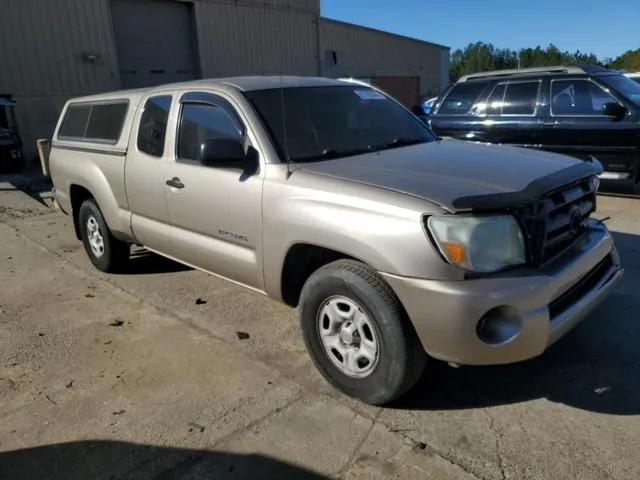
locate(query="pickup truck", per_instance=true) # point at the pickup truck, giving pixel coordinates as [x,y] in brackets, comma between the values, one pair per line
[396,247]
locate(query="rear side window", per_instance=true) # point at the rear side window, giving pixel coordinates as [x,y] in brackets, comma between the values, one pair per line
[101,122]
[153,125]
[461,98]
[496,100]
[521,98]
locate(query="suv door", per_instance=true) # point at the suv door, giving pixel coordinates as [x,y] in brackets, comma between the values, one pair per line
[145,170]
[215,211]
[576,126]
[511,113]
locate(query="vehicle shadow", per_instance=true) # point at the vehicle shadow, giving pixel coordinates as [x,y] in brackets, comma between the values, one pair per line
[595,367]
[144,262]
[30,181]
[97,459]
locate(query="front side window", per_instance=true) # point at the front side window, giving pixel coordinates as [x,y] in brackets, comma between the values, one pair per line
[205,121]
[461,98]
[627,87]
[314,123]
[520,98]
[153,125]
[578,97]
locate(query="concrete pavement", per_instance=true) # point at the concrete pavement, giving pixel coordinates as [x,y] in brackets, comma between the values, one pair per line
[128,376]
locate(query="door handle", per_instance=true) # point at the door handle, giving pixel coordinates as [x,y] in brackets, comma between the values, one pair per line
[175,183]
[550,124]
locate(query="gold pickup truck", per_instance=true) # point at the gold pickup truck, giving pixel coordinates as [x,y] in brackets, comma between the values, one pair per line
[329,196]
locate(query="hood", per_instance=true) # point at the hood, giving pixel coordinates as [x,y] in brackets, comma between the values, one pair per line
[459,175]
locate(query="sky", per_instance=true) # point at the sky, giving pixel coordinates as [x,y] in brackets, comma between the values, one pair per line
[607,28]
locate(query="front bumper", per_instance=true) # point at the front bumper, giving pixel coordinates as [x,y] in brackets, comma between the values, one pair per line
[549,302]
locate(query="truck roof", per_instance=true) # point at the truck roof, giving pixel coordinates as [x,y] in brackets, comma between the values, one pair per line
[246,83]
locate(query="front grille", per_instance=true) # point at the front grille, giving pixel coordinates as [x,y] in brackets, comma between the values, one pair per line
[558,220]
[575,293]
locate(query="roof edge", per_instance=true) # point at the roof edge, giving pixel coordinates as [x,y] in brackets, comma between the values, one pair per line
[383,32]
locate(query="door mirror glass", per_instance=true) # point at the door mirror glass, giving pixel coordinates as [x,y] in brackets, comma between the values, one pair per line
[219,152]
[613,109]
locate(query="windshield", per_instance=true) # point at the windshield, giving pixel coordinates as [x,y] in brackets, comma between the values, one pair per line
[332,122]
[625,86]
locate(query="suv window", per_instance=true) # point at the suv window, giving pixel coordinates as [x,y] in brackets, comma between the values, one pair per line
[578,97]
[204,121]
[94,122]
[461,98]
[153,125]
[496,100]
[521,98]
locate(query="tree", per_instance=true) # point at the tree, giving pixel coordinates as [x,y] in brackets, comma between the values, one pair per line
[483,57]
[629,61]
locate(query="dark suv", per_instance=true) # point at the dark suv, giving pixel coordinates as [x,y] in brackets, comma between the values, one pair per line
[584,111]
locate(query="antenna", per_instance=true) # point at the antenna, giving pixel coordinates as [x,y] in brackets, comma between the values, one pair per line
[284,128]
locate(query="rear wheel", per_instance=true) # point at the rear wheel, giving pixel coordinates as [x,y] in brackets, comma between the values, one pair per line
[357,333]
[106,252]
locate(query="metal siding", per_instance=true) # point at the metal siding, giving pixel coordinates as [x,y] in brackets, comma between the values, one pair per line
[41,47]
[154,42]
[261,39]
[368,53]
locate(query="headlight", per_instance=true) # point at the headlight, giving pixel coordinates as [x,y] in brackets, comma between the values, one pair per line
[479,243]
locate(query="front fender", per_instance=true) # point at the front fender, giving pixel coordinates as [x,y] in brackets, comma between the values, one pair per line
[388,238]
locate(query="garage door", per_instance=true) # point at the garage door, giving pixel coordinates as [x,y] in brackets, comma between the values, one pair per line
[154,40]
[404,89]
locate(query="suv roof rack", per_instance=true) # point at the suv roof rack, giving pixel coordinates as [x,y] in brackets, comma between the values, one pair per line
[575,69]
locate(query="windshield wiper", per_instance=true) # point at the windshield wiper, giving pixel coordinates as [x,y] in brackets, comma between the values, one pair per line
[399,142]
[331,154]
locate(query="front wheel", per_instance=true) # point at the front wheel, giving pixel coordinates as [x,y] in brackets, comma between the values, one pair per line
[357,333]
[106,252]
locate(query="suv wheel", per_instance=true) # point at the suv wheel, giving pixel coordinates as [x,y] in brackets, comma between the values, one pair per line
[357,333]
[106,252]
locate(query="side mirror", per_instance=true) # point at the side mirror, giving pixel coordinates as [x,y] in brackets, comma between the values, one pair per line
[615,110]
[222,152]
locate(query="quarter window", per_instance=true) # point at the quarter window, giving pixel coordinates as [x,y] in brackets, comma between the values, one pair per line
[578,97]
[200,122]
[153,125]
[461,98]
[520,98]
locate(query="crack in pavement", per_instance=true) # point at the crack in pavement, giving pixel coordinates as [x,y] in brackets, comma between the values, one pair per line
[351,461]
[496,434]
[417,443]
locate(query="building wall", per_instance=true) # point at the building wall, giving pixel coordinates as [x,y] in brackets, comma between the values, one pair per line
[367,53]
[42,58]
[52,50]
[262,37]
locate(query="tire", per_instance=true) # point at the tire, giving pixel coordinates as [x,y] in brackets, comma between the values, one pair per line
[115,253]
[400,358]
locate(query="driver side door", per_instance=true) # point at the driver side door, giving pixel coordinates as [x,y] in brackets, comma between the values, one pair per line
[215,211]
[576,126]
